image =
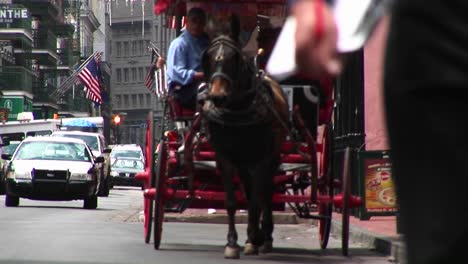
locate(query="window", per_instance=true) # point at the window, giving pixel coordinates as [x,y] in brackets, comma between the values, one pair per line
[134,48]
[126,49]
[134,101]
[125,75]
[140,75]
[147,42]
[148,100]
[119,49]
[125,100]
[141,99]
[119,75]
[134,75]
[141,47]
[118,101]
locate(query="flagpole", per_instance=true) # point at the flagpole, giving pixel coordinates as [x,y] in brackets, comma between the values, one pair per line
[155,49]
[65,86]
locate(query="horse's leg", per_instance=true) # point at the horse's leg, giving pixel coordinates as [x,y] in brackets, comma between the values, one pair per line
[252,182]
[232,249]
[250,248]
[267,203]
[267,214]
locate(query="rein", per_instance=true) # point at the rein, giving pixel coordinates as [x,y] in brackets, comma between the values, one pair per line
[261,99]
[225,115]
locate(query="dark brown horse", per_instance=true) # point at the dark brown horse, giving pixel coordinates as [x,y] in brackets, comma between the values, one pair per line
[245,115]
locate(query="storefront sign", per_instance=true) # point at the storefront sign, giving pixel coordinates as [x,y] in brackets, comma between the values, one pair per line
[15,105]
[380,195]
[376,184]
[7,14]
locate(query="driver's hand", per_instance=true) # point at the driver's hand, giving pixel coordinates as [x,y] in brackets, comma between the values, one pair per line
[316,53]
[160,62]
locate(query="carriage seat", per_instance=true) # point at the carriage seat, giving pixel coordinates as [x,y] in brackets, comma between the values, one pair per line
[177,111]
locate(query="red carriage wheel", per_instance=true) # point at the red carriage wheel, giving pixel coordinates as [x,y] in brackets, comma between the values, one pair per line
[346,195]
[160,186]
[326,187]
[149,183]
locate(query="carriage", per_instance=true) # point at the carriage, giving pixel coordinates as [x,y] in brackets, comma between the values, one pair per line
[183,172]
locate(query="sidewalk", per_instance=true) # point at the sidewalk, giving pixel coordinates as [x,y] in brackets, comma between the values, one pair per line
[378,233]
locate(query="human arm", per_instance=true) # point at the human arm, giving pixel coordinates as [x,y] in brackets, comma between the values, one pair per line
[316,39]
[178,66]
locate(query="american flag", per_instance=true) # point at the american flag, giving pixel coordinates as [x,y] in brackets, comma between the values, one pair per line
[172,22]
[149,79]
[90,77]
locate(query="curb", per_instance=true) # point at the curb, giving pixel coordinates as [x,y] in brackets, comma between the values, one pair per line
[390,246]
[241,218]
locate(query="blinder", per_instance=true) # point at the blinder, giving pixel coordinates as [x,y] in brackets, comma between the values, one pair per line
[217,45]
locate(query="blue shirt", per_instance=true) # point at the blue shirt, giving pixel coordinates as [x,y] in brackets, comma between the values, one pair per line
[184,58]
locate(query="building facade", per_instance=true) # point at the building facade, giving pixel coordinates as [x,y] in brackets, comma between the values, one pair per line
[41,44]
[132,27]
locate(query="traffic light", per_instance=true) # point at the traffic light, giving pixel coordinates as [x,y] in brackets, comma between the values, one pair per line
[117,120]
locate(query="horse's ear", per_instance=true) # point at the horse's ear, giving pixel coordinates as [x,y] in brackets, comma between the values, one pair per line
[204,62]
[235,27]
[210,27]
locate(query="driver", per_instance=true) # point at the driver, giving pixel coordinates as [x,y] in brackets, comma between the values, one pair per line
[184,72]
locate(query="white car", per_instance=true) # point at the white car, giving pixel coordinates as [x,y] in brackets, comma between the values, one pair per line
[132,151]
[52,168]
[98,145]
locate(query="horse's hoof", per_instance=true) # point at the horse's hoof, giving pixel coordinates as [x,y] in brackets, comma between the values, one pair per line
[231,252]
[250,249]
[267,247]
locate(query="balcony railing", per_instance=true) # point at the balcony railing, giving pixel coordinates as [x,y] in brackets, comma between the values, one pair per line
[16,78]
[24,23]
[42,92]
[44,40]
[65,57]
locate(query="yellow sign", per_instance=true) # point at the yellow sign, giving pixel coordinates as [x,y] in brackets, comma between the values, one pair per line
[379,190]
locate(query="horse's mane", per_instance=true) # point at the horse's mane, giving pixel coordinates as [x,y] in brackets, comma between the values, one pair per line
[227,26]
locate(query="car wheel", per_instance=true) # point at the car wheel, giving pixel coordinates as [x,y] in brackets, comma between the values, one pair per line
[2,187]
[106,187]
[103,187]
[90,202]
[11,201]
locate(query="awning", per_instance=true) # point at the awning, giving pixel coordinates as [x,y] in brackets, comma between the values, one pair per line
[178,7]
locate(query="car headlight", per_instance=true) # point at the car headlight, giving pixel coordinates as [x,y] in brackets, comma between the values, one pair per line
[114,173]
[18,174]
[81,176]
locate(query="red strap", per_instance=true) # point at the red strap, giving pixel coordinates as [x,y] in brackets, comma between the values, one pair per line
[319,24]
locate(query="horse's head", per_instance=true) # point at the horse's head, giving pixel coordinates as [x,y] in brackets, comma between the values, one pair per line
[224,64]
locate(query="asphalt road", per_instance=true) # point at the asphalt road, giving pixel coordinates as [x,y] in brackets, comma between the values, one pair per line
[46,232]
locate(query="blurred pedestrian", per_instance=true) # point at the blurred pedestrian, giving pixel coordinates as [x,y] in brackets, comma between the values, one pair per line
[425,81]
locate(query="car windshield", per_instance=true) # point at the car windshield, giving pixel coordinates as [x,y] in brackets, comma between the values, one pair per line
[10,149]
[46,150]
[128,164]
[91,141]
[126,153]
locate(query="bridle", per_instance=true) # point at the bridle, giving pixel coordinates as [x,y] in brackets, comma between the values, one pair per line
[227,115]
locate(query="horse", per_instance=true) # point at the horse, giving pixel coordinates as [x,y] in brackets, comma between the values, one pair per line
[245,115]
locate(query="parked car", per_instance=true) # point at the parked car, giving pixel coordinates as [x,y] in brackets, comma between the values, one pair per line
[98,145]
[6,147]
[123,171]
[52,168]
